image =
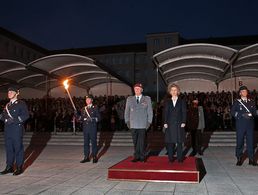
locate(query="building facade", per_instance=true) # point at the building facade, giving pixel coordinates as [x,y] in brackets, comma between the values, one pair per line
[133,62]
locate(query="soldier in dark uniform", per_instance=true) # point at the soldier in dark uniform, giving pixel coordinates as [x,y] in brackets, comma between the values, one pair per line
[14,115]
[244,111]
[89,117]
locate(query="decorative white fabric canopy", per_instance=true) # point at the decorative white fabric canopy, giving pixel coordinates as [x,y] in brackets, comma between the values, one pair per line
[51,70]
[202,61]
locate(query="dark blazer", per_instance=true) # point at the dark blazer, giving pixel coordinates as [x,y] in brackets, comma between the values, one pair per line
[174,117]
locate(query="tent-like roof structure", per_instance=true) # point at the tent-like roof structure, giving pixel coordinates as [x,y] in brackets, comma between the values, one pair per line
[201,61]
[246,63]
[83,71]
[14,72]
[51,70]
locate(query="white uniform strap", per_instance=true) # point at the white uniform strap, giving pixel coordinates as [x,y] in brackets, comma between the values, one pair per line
[8,112]
[87,112]
[243,105]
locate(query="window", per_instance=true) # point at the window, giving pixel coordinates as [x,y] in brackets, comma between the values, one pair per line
[168,41]
[7,45]
[156,42]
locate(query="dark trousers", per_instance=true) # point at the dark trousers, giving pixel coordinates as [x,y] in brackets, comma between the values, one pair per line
[138,136]
[14,146]
[171,150]
[196,140]
[241,134]
[90,135]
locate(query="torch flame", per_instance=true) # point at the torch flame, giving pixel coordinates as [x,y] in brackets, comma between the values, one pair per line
[66,85]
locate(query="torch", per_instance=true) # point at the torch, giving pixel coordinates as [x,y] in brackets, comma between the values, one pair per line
[66,86]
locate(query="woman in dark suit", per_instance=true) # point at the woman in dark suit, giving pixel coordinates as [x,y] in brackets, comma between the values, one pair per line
[174,123]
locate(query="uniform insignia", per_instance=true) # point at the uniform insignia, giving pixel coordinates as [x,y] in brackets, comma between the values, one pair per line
[16,102]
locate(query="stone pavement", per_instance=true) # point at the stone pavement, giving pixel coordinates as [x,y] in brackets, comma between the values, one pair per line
[57,171]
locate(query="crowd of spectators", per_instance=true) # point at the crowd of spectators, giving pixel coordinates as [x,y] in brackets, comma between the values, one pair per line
[57,114]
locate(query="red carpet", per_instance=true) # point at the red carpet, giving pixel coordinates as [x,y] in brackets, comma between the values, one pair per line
[156,169]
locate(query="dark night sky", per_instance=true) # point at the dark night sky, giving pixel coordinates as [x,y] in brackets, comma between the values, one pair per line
[87,23]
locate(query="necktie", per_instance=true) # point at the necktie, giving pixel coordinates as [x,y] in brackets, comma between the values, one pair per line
[137,100]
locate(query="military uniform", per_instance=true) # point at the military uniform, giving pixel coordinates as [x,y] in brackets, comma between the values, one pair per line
[89,117]
[244,113]
[138,117]
[14,115]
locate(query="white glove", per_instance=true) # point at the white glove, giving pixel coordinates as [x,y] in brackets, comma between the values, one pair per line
[166,126]
[182,125]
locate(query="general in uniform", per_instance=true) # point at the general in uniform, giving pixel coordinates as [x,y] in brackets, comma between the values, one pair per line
[14,115]
[138,117]
[89,117]
[244,111]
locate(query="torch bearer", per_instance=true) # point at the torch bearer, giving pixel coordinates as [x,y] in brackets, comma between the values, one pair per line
[66,86]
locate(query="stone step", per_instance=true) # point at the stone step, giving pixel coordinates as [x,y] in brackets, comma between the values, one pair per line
[219,138]
[222,140]
[223,132]
[222,144]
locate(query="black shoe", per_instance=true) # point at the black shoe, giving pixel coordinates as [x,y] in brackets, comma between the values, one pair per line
[7,170]
[85,160]
[95,160]
[180,160]
[171,160]
[135,160]
[239,161]
[18,171]
[143,160]
[252,162]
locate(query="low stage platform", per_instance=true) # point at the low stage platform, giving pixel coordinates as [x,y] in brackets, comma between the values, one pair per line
[156,169]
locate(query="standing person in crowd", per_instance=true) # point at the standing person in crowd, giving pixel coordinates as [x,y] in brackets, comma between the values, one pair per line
[244,111]
[192,125]
[227,118]
[120,112]
[138,117]
[89,117]
[14,115]
[200,128]
[174,123]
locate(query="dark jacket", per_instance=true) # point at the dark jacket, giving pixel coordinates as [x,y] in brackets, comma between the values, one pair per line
[18,111]
[241,114]
[174,117]
[192,118]
[93,119]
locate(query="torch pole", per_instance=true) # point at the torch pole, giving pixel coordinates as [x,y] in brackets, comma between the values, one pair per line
[69,95]
[66,85]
